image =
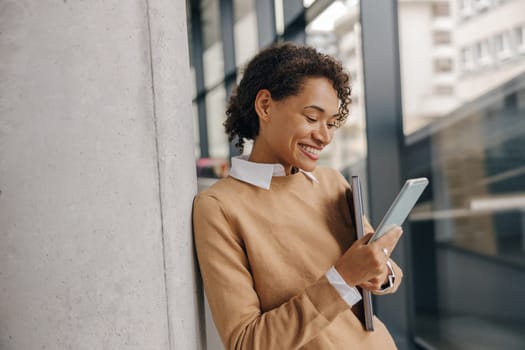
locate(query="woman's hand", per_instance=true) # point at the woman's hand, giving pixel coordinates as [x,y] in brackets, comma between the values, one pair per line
[365,265]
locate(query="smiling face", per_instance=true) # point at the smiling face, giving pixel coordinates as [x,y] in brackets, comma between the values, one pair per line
[294,130]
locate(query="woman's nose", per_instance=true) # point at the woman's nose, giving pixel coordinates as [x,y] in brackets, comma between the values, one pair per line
[322,134]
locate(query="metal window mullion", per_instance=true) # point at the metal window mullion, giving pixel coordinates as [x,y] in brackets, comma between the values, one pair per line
[385,140]
[228,49]
[266,29]
[198,65]
[294,21]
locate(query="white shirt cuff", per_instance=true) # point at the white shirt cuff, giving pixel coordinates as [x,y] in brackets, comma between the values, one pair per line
[349,294]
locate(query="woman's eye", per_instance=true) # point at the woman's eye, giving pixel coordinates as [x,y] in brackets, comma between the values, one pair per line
[310,119]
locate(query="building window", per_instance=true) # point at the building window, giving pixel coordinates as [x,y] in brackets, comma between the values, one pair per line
[502,46]
[481,5]
[441,38]
[482,53]
[440,9]
[443,65]
[467,59]
[519,38]
[465,8]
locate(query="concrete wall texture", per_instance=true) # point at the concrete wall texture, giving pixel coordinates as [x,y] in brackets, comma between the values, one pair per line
[97,177]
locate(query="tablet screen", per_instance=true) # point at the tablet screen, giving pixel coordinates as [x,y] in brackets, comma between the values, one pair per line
[401,206]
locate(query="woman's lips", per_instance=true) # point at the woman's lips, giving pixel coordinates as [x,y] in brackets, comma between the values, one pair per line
[310,151]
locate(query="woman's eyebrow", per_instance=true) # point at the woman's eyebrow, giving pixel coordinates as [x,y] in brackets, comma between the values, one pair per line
[315,107]
[320,109]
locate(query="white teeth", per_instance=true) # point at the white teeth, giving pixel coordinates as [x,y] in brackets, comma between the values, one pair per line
[311,149]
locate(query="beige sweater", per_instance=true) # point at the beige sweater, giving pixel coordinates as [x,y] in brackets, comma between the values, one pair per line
[263,255]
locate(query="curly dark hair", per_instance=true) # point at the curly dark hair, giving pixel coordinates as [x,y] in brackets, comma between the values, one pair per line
[282,69]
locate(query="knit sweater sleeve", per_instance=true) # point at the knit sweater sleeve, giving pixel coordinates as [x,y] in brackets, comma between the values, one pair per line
[233,299]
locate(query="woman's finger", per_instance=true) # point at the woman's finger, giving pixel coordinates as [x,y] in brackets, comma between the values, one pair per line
[389,240]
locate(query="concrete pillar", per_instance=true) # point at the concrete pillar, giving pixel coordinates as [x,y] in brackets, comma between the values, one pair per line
[97,177]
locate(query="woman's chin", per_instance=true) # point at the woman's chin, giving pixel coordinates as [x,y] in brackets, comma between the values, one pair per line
[309,167]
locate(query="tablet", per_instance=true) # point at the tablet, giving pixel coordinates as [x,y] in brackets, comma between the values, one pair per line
[401,206]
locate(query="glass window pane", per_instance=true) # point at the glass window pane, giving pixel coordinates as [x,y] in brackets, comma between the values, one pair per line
[337,31]
[441,9]
[443,65]
[463,105]
[245,31]
[441,37]
[213,61]
[215,114]
[519,33]
[211,31]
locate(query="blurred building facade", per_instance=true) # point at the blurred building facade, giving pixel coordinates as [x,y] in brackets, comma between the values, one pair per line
[428,64]
[490,42]
[458,69]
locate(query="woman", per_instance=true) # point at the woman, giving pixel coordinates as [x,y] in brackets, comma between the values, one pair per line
[275,239]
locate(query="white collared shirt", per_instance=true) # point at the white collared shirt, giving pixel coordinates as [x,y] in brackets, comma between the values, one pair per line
[259,174]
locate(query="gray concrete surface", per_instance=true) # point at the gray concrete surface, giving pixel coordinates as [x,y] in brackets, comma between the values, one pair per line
[96,177]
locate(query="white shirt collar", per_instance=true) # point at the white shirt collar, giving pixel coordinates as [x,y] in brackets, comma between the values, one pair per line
[259,174]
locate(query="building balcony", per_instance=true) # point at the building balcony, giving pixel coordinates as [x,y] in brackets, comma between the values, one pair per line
[443,51]
[443,24]
[447,78]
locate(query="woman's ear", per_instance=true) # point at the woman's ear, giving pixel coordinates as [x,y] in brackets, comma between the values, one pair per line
[262,104]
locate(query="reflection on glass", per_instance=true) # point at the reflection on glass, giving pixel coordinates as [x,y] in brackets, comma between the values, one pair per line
[469,234]
[336,31]
[464,107]
[215,113]
[428,68]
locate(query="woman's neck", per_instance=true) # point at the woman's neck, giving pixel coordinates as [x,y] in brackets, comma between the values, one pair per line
[260,155]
